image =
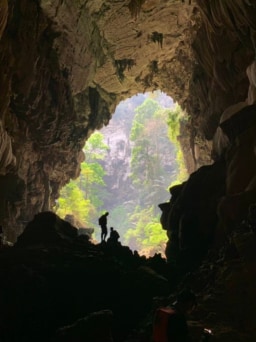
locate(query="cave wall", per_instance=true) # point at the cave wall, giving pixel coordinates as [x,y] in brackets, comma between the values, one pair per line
[66,65]
[224,47]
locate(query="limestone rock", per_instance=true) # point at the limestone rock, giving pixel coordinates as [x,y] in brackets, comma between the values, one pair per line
[8,160]
[65,66]
[46,229]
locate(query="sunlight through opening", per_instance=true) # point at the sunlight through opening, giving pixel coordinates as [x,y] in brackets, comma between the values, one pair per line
[130,165]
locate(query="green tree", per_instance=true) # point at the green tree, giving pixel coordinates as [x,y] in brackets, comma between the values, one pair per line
[90,177]
[81,196]
[151,145]
[147,232]
[92,172]
[154,134]
[72,202]
[175,116]
[95,148]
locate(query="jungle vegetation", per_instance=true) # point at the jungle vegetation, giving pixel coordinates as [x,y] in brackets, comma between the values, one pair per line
[152,126]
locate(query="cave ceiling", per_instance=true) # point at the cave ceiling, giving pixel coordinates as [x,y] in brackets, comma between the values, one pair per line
[65,65]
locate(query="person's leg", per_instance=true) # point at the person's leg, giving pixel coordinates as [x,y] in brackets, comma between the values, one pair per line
[104,233]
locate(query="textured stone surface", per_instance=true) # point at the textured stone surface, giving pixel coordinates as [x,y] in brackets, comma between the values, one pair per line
[66,65]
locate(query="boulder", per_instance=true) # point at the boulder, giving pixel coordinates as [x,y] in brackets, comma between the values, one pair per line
[46,229]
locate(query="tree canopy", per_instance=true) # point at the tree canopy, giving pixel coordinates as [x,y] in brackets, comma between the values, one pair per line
[156,162]
[82,197]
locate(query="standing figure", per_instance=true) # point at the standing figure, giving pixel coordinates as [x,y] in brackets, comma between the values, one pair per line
[103,225]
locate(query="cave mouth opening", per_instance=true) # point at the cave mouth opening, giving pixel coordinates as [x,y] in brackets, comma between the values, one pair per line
[129,166]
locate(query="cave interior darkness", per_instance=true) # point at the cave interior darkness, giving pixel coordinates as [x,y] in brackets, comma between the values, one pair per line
[64,67]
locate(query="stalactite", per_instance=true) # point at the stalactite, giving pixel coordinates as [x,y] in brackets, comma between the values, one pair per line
[135,7]
[157,37]
[123,64]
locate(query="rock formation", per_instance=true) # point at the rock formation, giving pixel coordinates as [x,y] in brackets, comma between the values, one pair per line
[65,66]
[53,277]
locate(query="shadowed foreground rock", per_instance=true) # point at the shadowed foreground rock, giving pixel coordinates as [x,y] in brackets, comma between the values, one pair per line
[94,328]
[52,278]
[67,289]
[65,67]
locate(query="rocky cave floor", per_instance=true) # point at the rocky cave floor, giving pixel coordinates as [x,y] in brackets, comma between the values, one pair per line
[56,286]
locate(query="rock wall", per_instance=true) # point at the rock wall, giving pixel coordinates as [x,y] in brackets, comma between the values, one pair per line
[66,65]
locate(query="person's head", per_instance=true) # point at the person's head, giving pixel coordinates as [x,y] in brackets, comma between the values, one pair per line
[186,301]
[106,213]
[111,228]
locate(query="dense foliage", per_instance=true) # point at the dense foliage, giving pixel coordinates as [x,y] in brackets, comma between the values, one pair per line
[83,197]
[153,155]
[148,235]
[156,162]
[175,117]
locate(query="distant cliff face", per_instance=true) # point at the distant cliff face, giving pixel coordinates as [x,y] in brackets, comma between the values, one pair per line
[66,65]
[124,178]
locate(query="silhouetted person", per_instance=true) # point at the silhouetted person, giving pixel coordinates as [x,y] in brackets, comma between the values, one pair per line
[114,236]
[171,322]
[103,225]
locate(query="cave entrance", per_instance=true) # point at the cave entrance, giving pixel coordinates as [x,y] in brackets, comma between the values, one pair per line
[129,166]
